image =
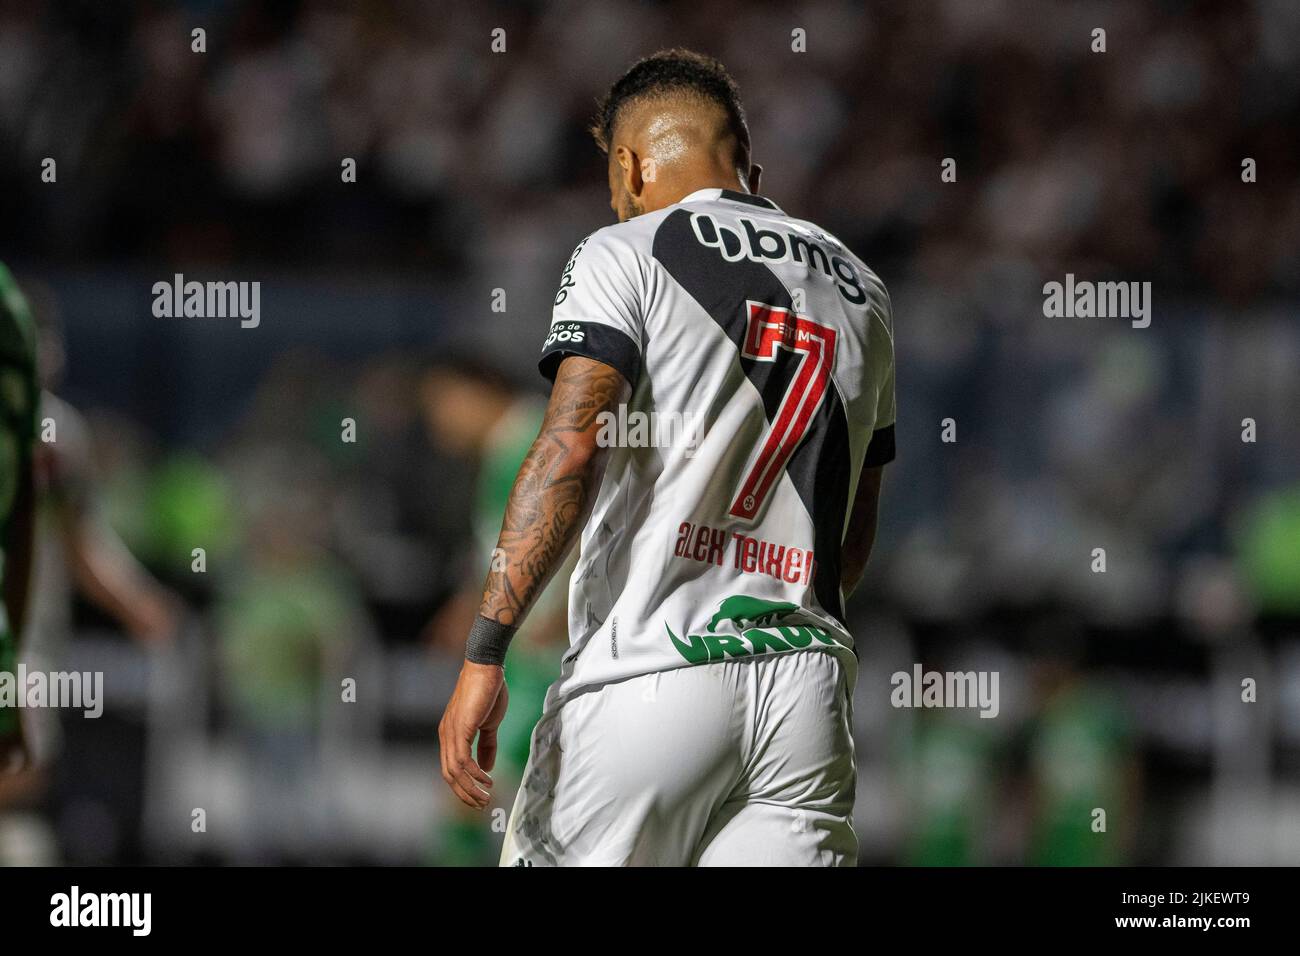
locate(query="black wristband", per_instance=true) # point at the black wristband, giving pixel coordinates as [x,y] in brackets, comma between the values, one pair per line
[488,641]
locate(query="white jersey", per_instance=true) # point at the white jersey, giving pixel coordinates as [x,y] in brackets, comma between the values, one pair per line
[760,354]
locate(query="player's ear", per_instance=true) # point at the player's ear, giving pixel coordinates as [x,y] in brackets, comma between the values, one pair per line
[755,174]
[630,171]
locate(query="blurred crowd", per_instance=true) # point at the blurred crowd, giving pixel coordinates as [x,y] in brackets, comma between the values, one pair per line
[1122,162]
[325,546]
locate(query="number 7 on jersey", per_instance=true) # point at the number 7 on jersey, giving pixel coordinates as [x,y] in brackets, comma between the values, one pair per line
[769,327]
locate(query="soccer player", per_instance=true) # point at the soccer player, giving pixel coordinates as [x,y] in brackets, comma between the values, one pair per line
[702,712]
[18,402]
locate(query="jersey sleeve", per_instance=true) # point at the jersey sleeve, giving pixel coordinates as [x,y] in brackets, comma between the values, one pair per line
[599,310]
[880,450]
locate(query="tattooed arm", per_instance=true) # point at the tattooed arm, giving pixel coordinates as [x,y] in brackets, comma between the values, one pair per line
[548,506]
[553,493]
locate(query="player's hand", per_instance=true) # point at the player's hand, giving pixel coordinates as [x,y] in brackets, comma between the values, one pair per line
[477,706]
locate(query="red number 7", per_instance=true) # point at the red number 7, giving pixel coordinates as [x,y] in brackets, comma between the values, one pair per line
[769,328]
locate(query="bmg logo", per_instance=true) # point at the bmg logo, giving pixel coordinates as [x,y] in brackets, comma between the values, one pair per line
[770,245]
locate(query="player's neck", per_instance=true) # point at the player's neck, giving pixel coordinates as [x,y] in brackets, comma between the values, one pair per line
[680,188]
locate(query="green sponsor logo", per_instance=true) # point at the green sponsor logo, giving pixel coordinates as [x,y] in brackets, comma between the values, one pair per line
[754,620]
[744,611]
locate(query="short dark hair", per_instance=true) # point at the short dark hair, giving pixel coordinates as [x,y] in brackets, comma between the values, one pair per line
[673,71]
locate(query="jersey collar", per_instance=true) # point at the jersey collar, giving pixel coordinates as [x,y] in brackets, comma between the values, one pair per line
[730,195]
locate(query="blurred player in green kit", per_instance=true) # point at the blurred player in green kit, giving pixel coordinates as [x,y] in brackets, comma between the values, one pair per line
[18,402]
[473,411]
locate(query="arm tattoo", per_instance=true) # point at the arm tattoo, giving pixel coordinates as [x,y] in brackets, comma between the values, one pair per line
[555,488]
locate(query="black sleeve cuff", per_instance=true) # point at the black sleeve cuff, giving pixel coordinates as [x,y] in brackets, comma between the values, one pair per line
[594,340]
[880,450]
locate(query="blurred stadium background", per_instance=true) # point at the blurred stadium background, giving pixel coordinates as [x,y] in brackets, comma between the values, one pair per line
[328,559]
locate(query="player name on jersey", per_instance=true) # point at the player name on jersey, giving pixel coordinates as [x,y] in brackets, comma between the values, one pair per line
[748,554]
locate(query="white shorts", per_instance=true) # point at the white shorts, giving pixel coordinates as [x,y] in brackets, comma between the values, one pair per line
[745,762]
